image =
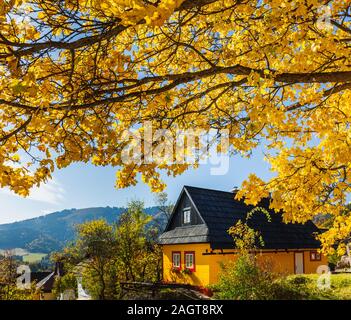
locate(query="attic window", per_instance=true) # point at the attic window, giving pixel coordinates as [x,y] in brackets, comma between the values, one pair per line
[186,216]
[315,256]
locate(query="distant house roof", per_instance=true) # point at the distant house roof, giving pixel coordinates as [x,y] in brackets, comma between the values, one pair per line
[219,211]
[44,280]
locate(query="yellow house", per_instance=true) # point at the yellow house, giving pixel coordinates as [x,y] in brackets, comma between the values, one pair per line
[196,241]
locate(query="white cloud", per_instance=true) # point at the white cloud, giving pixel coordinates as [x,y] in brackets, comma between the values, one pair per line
[51,192]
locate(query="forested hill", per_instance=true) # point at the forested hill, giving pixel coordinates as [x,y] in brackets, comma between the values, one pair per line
[50,232]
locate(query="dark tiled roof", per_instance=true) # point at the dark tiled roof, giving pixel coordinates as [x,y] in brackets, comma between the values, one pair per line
[39,275]
[189,234]
[44,280]
[220,211]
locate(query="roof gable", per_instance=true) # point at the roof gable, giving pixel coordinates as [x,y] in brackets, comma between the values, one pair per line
[219,211]
[177,232]
[184,200]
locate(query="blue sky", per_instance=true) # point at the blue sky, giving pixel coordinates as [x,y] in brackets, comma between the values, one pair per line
[82,186]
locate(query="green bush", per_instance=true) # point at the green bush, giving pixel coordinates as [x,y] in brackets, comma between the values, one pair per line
[245,279]
[298,288]
[63,283]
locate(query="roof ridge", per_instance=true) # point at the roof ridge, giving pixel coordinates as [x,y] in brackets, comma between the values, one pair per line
[230,192]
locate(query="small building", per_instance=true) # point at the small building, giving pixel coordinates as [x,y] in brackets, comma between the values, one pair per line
[44,285]
[44,282]
[196,241]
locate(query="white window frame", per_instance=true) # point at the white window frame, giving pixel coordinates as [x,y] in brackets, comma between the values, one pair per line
[315,256]
[187,260]
[186,215]
[178,260]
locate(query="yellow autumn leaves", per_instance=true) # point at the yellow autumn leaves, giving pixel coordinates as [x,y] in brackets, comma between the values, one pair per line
[133,11]
[75,74]
[130,12]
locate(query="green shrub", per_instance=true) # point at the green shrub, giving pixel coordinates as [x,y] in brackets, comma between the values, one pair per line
[245,279]
[299,288]
[63,283]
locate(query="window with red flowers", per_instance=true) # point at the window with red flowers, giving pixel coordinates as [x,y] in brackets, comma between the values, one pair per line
[176,260]
[189,260]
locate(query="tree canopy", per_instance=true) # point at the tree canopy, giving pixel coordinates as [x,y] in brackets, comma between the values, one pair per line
[75,74]
[105,255]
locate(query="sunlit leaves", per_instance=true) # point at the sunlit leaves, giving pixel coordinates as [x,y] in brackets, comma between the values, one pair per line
[76,74]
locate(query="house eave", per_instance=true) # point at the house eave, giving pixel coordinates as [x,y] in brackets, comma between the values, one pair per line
[183,235]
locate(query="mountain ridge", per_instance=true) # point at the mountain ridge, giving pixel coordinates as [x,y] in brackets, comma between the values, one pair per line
[52,231]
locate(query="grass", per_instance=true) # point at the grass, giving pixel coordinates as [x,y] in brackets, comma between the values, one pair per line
[340,285]
[33,257]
